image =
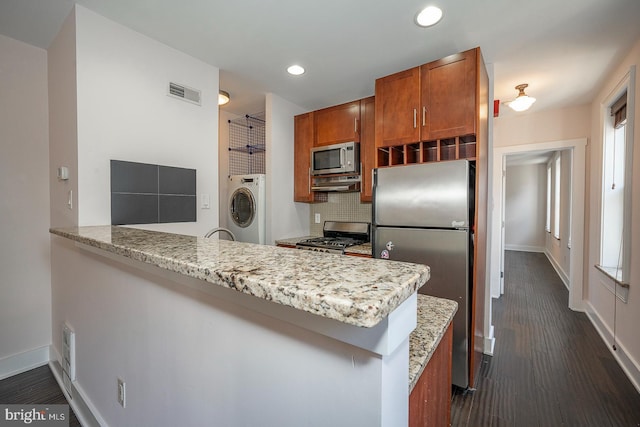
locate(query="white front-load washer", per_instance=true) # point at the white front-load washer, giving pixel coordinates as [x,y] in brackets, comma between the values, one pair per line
[247,208]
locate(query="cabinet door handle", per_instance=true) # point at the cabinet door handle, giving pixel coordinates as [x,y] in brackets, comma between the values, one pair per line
[424,115]
[355,125]
[309,182]
[415,118]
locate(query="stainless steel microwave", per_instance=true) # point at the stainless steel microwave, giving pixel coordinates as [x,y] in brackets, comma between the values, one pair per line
[337,158]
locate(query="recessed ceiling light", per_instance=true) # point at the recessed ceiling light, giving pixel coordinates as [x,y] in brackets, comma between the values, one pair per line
[296,70]
[429,16]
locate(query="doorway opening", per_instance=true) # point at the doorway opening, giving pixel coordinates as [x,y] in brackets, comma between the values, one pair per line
[536,207]
[577,148]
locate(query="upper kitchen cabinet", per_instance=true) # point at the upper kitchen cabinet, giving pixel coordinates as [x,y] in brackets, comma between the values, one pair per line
[397,104]
[429,113]
[367,146]
[448,95]
[350,122]
[303,142]
[334,125]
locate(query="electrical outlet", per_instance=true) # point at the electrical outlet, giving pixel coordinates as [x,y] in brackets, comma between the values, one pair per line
[317,218]
[122,393]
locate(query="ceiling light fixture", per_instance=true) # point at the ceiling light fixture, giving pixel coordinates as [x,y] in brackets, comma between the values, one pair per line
[223,97]
[429,16]
[522,101]
[295,70]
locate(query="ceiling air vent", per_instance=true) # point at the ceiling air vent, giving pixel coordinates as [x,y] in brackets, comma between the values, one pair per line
[185,93]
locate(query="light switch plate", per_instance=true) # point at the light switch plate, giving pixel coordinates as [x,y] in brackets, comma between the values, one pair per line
[205,202]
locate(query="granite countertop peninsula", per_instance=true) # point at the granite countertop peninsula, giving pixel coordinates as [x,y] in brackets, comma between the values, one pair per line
[353,290]
[364,249]
[434,316]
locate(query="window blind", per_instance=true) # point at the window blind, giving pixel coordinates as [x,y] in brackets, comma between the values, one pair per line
[619,110]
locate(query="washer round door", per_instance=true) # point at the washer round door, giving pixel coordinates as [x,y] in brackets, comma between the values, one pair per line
[242,207]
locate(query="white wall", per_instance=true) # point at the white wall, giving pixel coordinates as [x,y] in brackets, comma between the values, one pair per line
[525,202]
[285,218]
[25,292]
[124,113]
[549,125]
[63,124]
[626,317]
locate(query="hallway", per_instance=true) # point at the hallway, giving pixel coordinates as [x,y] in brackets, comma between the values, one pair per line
[550,367]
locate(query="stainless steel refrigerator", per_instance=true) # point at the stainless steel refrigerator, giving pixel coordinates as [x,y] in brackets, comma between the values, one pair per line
[424,213]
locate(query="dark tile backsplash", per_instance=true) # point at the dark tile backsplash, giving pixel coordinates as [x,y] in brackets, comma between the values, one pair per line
[177,208]
[129,177]
[142,193]
[177,181]
[134,208]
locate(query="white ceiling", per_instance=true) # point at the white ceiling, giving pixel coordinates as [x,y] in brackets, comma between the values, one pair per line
[562,49]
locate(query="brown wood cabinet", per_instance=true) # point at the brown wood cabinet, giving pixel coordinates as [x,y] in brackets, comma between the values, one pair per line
[367,147]
[448,94]
[429,113]
[334,125]
[303,142]
[397,105]
[430,399]
[352,121]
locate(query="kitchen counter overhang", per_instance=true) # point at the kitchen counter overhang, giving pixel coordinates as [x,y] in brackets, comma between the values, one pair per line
[355,291]
[261,313]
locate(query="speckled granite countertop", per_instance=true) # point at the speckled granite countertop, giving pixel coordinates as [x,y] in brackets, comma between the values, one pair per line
[364,249]
[353,290]
[292,241]
[434,316]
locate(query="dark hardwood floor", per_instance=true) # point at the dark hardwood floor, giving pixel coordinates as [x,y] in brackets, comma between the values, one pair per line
[550,367]
[37,386]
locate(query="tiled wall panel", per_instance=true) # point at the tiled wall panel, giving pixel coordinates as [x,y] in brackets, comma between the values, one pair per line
[142,193]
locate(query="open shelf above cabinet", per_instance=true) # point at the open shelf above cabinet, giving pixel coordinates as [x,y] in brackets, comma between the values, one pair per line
[460,147]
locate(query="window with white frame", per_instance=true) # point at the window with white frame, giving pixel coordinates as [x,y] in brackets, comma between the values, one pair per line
[616,183]
[556,196]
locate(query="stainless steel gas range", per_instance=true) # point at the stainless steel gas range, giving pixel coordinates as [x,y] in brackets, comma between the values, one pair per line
[337,236]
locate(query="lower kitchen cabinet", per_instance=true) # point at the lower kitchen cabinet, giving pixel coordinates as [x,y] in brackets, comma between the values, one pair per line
[430,399]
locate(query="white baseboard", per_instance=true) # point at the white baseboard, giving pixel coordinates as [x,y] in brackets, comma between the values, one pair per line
[489,342]
[523,248]
[82,407]
[630,367]
[563,275]
[22,362]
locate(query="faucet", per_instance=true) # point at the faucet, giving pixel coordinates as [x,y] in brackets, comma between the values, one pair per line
[218,229]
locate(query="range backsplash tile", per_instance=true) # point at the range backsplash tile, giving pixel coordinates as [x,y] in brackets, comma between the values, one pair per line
[339,207]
